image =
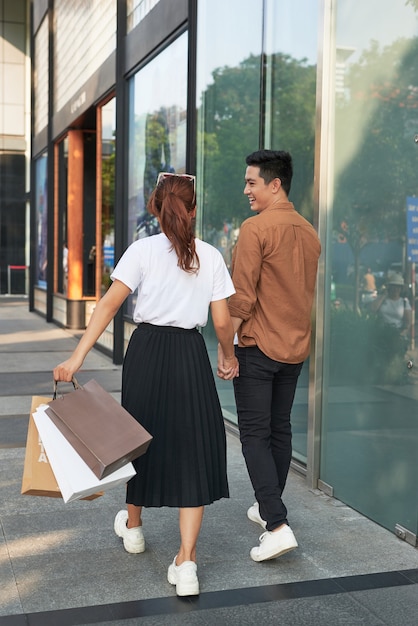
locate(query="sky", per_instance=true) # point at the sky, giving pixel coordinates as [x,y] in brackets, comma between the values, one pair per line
[228,38]
[360,21]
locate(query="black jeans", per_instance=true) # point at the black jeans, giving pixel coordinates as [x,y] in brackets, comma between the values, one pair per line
[264,394]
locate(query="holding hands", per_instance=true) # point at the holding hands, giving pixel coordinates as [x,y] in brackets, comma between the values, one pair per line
[228,367]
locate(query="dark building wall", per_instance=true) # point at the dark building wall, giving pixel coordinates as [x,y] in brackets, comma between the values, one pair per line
[12,221]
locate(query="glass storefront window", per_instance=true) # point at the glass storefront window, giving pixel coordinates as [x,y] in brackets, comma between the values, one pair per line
[62,268]
[228,114]
[290,107]
[157,132]
[279,65]
[41,219]
[228,120]
[290,87]
[370,431]
[108,118]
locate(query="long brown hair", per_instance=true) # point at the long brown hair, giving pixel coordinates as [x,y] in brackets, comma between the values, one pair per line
[172,201]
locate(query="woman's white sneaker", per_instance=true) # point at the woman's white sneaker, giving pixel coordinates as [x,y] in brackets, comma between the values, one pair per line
[274,544]
[184,577]
[133,538]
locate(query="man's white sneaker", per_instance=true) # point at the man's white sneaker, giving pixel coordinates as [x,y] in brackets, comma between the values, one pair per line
[184,577]
[133,538]
[274,544]
[253,514]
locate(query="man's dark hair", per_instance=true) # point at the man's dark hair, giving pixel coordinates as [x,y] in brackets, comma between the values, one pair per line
[273,164]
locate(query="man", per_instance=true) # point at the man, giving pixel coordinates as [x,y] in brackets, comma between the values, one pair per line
[274,270]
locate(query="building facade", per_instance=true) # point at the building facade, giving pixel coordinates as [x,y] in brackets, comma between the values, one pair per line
[124,89]
[15,111]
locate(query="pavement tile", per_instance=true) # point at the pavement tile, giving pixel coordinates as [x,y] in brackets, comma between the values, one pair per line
[56,556]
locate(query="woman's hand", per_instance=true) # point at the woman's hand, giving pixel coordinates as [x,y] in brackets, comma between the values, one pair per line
[65,371]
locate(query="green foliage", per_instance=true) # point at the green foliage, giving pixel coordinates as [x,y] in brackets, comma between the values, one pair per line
[373,128]
[231,129]
[108,194]
[293,123]
[413,3]
[376,158]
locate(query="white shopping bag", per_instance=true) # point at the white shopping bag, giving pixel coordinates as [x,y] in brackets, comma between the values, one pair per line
[73,475]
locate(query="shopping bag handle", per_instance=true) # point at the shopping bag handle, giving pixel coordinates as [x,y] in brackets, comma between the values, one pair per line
[73,380]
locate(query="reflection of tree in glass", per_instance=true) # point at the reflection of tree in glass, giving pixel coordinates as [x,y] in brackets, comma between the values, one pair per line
[157,150]
[108,194]
[231,112]
[108,207]
[42,231]
[375,127]
[293,123]
[413,3]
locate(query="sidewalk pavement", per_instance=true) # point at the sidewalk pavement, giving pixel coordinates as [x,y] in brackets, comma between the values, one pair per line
[61,564]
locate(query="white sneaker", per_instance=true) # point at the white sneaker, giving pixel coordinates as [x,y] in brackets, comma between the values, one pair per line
[133,538]
[253,514]
[184,577]
[274,544]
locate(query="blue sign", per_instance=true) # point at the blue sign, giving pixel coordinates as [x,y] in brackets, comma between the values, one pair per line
[109,256]
[412,228]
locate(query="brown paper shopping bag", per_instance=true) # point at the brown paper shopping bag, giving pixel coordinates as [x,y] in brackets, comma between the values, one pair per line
[38,478]
[75,478]
[103,433]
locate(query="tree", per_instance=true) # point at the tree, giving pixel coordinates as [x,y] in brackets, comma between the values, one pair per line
[231,130]
[375,154]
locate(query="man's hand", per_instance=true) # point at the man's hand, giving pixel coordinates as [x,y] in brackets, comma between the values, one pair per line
[228,367]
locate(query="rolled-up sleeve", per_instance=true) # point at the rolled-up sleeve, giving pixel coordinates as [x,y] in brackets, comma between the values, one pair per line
[246,266]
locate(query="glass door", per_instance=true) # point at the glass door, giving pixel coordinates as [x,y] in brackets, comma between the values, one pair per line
[289,122]
[61,266]
[105,225]
[370,427]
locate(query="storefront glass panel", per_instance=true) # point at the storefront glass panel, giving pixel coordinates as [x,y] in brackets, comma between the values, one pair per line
[62,268]
[370,430]
[228,121]
[157,132]
[289,124]
[278,65]
[108,129]
[41,219]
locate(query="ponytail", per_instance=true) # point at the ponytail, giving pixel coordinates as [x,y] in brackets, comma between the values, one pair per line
[172,201]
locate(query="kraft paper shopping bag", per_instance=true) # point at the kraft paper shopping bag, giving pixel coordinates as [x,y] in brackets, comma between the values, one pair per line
[74,477]
[38,478]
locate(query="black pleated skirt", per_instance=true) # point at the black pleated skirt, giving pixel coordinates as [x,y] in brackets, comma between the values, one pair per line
[168,386]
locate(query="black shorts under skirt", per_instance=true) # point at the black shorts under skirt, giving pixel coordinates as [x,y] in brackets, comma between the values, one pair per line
[168,386]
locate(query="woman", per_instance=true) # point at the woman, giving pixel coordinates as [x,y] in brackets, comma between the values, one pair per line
[167,380]
[394,309]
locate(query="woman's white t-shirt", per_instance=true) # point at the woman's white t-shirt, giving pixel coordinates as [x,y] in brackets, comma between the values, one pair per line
[167,295]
